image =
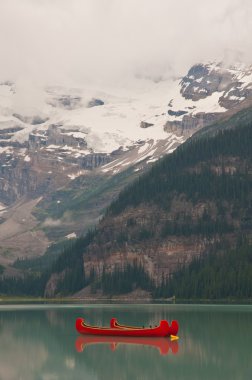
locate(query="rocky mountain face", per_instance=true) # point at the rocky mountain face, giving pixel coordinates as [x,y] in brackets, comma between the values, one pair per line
[233,83]
[230,86]
[169,217]
[79,142]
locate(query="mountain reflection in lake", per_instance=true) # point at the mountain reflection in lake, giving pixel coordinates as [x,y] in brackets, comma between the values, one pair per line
[40,343]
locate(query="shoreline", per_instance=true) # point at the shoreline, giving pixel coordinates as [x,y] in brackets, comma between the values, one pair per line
[126,300]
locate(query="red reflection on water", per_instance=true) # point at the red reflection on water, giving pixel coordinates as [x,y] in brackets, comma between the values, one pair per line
[164,345]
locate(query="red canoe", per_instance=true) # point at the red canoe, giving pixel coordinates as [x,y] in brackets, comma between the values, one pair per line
[173,328]
[163,345]
[162,330]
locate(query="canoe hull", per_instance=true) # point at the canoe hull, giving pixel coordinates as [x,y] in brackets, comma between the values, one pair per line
[173,328]
[162,330]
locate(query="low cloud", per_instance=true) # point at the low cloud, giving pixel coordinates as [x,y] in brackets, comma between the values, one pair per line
[105,41]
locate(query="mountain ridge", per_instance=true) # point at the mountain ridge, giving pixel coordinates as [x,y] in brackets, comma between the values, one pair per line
[159,224]
[85,138]
[166,223]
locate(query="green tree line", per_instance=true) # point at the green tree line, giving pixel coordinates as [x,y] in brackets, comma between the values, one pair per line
[212,276]
[172,175]
[190,172]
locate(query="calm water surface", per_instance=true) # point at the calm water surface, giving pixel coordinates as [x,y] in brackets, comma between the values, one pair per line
[40,342]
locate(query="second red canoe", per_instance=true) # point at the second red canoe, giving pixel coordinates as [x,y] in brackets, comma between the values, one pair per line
[116,329]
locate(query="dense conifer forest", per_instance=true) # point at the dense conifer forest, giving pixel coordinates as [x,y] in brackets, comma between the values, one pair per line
[215,276]
[174,174]
[213,170]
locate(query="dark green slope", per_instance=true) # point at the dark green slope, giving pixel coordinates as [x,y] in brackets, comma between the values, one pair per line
[225,275]
[80,204]
[210,170]
[176,174]
[203,191]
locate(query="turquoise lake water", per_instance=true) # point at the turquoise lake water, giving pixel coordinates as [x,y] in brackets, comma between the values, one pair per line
[39,342]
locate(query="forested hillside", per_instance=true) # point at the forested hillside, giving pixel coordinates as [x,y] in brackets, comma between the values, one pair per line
[215,169]
[192,203]
[217,275]
[193,206]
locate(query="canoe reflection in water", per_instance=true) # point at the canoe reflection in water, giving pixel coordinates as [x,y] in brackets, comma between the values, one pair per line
[164,345]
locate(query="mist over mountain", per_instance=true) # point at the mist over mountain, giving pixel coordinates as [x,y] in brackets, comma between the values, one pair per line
[92,41]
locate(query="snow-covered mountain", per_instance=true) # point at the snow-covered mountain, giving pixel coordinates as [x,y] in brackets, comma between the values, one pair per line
[51,137]
[118,118]
[104,121]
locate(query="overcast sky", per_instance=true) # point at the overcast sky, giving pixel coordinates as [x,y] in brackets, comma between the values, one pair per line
[61,41]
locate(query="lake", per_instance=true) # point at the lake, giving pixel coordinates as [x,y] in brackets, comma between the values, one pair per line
[39,342]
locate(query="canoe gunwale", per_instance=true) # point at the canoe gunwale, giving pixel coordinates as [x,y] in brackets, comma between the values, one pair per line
[162,330]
